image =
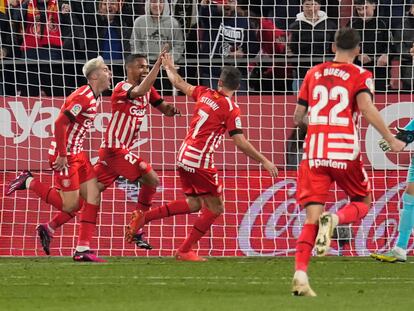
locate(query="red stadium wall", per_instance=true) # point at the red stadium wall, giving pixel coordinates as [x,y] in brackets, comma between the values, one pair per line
[261,217]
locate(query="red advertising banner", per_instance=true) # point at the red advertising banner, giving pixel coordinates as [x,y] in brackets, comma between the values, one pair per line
[27,125]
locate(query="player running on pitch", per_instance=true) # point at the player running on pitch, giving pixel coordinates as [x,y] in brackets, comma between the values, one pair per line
[332,96]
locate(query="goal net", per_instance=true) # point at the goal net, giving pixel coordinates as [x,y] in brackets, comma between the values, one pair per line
[45,44]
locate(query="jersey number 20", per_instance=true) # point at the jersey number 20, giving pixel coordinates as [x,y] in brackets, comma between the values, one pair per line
[337,93]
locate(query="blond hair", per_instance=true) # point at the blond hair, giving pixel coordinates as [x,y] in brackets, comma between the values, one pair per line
[91,65]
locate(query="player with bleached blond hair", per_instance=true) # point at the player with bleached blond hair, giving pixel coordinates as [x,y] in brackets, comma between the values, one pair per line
[74,174]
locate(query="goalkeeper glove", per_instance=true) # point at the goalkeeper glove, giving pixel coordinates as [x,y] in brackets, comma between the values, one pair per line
[406,136]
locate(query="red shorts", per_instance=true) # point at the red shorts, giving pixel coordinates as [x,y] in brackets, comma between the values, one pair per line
[79,171]
[316,176]
[115,162]
[197,182]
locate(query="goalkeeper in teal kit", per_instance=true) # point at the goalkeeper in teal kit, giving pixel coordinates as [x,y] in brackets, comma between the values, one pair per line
[399,252]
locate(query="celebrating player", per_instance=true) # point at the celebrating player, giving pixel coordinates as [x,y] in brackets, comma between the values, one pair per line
[215,113]
[130,100]
[399,252]
[73,172]
[332,95]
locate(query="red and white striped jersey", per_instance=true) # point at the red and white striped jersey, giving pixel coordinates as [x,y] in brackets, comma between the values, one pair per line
[214,113]
[127,115]
[329,90]
[80,107]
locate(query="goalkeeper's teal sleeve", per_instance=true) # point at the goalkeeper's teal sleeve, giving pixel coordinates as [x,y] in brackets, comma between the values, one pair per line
[409,126]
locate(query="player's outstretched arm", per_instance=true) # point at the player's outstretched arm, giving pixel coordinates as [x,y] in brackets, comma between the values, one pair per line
[371,114]
[174,77]
[144,87]
[248,149]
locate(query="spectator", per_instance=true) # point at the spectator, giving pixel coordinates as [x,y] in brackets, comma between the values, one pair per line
[42,42]
[155,29]
[73,37]
[268,76]
[226,36]
[10,39]
[404,40]
[185,12]
[311,37]
[115,23]
[152,31]
[375,41]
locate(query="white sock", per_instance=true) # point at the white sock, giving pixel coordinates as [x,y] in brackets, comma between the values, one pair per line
[82,248]
[28,181]
[301,276]
[51,230]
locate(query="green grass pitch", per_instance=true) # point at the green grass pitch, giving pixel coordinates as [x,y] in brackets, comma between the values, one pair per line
[219,284]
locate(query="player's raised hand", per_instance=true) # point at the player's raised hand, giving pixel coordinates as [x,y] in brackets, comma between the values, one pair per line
[397,145]
[271,168]
[167,61]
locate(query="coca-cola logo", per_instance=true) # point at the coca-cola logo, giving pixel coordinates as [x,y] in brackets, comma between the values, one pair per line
[376,232]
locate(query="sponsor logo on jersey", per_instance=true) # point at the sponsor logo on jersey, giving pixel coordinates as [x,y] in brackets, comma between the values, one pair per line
[185,167]
[76,109]
[87,123]
[139,112]
[328,163]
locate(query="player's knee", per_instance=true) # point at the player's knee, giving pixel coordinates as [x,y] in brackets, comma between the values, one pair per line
[217,209]
[95,200]
[154,182]
[194,204]
[69,207]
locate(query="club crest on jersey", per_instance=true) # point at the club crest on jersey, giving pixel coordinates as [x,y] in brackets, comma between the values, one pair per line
[139,112]
[66,183]
[76,109]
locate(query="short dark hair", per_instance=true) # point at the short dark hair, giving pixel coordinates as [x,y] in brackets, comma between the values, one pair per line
[347,39]
[230,76]
[317,1]
[362,2]
[131,58]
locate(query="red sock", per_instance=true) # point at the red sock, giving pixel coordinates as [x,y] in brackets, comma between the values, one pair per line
[167,210]
[87,224]
[48,194]
[304,246]
[62,217]
[201,226]
[145,197]
[352,212]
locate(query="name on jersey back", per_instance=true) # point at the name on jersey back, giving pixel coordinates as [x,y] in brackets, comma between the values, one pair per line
[210,103]
[336,72]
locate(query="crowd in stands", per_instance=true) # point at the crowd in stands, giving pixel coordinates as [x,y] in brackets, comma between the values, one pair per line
[44,43]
